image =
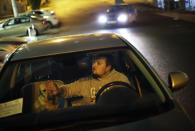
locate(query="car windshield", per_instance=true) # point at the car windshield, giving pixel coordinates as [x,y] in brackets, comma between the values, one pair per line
[119,8]
[76,77]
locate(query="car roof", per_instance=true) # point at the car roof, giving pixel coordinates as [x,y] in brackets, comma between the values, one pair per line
[121,5]
[68,44]
[22,16]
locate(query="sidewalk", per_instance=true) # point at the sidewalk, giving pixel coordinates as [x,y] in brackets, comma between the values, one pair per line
[179,16]
[176,15]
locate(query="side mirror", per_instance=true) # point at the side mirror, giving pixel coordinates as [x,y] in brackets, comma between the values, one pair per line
[3,25]
[177,80]
[36,96]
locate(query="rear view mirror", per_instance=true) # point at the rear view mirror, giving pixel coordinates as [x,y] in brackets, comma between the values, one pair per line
[36,98]
[177,80]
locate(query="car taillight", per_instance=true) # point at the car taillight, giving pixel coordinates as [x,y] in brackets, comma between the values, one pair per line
[44,22]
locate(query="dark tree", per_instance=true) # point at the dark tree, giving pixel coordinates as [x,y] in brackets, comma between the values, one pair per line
[35,4]
[119,1]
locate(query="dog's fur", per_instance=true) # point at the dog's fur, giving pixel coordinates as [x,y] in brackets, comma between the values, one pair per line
[46,100]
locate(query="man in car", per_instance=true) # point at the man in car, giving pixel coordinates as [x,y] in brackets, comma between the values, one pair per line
[103,73]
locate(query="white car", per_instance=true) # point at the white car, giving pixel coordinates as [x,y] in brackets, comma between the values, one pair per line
[49,16]
[19,26]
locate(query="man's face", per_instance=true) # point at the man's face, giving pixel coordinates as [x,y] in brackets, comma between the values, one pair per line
[100,68]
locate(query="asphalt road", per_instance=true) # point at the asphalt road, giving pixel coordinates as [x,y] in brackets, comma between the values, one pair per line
[166,43]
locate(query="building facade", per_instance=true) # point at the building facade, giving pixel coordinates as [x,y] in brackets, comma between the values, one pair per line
[175,4]
[6,8]
[22,6]
[190,5]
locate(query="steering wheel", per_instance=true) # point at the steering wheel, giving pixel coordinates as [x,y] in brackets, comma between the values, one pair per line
[122,87]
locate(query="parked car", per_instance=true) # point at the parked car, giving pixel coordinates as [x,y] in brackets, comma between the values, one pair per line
[35,69]
[119,14]
[48,15]
[19,26]
[8,45]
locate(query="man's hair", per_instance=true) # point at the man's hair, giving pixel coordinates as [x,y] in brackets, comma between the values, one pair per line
[108,57]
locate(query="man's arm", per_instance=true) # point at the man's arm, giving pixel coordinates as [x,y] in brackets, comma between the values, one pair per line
[75,88]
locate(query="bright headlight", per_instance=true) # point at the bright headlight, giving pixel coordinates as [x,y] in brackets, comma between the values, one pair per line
[102,19]
[122,18]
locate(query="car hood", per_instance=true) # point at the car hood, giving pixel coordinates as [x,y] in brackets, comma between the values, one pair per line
[173,120]
[115,14]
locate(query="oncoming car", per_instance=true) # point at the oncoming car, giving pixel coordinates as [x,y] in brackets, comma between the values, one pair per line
[122,14]
[36,92]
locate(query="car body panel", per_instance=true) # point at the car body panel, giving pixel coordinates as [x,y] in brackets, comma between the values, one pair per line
[173,120]
[9,44]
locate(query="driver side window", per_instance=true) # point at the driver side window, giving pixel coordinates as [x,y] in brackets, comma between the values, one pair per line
[24,20]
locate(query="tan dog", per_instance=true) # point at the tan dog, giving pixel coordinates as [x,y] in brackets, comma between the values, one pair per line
[48,98]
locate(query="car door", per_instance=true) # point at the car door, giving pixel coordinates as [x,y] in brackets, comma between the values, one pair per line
[13,108]
[14,27]
[8,28]
[23,26]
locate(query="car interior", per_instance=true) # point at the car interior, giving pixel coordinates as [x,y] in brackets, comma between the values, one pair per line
[65,69]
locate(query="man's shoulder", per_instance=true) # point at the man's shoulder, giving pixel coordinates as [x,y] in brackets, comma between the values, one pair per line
[115,72]
[86,78]
[119,76]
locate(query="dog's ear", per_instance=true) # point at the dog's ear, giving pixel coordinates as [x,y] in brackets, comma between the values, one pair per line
[42,89]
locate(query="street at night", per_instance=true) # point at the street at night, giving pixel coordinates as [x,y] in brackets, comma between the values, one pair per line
[61,73]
